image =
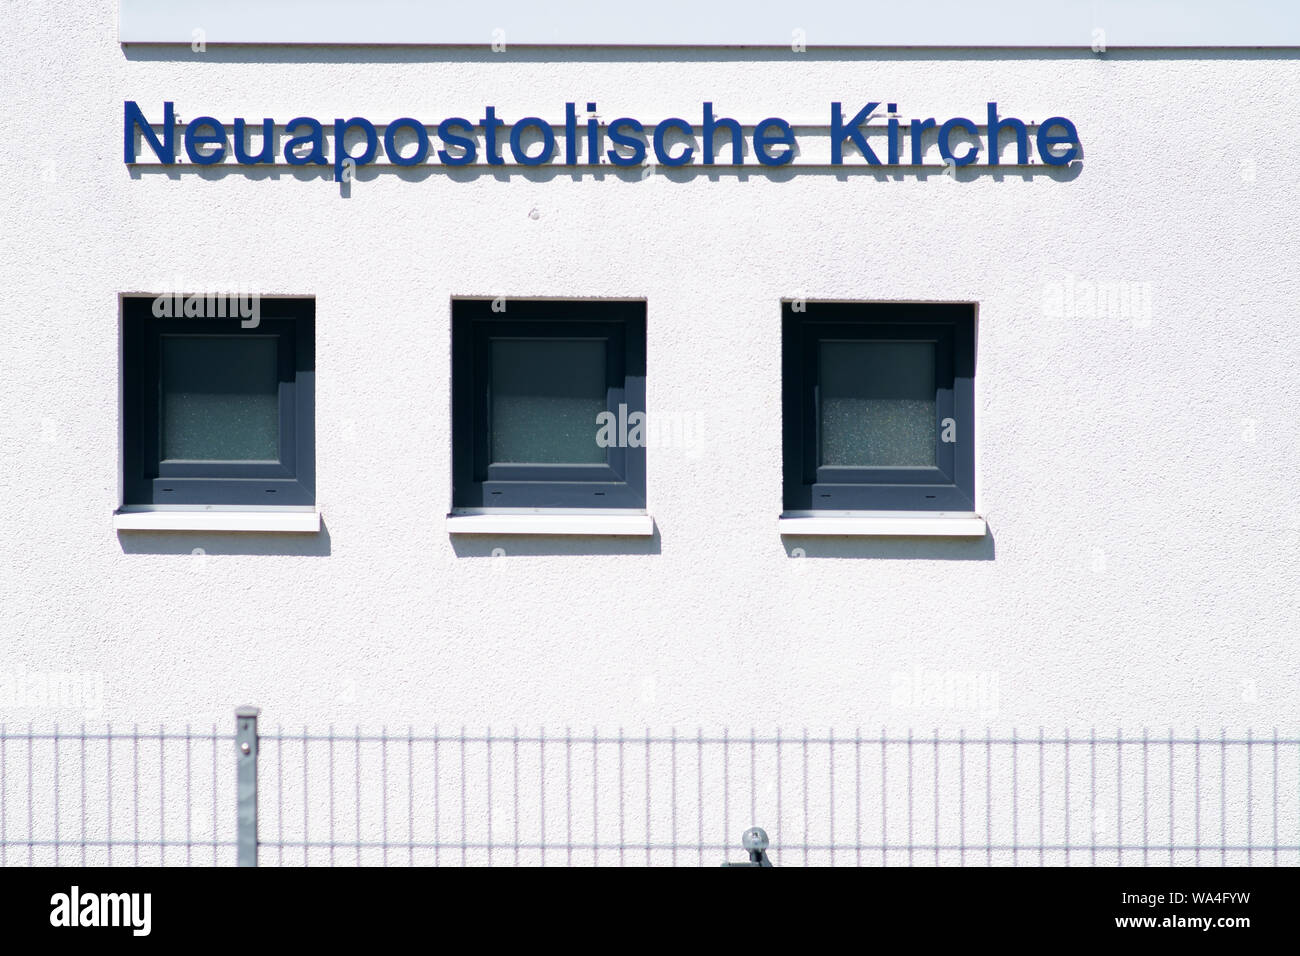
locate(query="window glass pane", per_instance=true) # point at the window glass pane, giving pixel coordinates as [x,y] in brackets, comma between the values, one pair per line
[546,394]
[877,403]
[220,398]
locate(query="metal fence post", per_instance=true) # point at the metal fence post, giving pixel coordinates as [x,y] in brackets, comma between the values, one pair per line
[246,784]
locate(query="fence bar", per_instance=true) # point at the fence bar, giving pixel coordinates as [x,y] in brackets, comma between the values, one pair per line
[246,784]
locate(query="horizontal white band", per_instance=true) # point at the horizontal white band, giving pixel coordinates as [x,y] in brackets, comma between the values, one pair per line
[301,522]
[901,524]
[686,23]
[558,524]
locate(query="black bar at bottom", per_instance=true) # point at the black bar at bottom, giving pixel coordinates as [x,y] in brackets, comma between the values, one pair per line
[1223,907]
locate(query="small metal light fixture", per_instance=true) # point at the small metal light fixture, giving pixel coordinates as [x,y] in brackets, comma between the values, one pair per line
[755,842]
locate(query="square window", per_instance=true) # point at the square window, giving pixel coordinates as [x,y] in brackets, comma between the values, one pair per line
[877,403]
[545,397]
[878,407]
[215,413]
[220,398]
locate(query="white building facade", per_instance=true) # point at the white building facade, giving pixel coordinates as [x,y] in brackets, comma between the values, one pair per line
[1128,559]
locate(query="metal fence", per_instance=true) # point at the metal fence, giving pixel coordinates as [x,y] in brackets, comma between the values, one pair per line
[287,797]
[116,797]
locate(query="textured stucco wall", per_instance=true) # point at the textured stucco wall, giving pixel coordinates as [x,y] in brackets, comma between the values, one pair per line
[1138,475]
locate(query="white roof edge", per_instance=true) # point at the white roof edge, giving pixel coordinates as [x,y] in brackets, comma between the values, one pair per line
[818,24]
[812,49]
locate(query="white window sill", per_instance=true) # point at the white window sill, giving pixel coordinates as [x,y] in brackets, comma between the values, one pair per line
[298,522]
[635,525]
[929,524]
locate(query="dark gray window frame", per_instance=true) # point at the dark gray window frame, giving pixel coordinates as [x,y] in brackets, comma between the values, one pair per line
[148,480]
[810,487]
[478,484]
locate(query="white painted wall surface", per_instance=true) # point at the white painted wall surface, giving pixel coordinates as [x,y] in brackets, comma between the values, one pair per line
[1139,477]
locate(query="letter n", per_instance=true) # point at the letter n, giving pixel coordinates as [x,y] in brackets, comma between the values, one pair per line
[133,119]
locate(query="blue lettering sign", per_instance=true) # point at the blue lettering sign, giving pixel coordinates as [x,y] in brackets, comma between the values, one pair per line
[304,140]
